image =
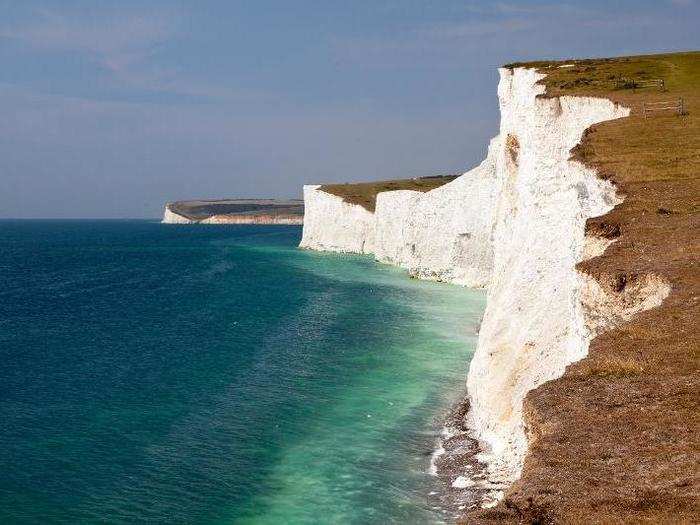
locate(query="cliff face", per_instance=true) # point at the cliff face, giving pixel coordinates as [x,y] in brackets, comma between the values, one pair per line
[534,324]
[515,224]
[331,224]
[170,217]
[614,439]
[442,234]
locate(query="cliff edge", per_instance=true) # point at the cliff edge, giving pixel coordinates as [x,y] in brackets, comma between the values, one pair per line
[615,439]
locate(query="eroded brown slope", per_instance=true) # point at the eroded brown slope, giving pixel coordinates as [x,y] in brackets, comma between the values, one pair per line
[617,438]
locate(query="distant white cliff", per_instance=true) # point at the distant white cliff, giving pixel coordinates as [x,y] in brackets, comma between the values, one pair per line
[170,217]
[516,225]
[443,234]
[333,225]
[234,211]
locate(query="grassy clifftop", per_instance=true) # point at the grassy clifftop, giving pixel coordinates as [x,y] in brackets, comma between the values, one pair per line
[365,193]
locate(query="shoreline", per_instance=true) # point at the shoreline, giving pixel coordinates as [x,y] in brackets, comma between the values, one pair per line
[461,479]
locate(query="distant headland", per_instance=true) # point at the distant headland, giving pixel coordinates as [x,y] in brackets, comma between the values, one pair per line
[235,211]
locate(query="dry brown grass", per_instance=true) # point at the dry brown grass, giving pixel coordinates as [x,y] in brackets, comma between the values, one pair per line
[615,366]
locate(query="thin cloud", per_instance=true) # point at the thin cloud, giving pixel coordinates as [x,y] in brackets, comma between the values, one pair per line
[521,9]
[122,44]
[505,17]
[116,42]
[478,28]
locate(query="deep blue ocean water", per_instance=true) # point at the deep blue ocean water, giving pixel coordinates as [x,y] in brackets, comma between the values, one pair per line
[218,374]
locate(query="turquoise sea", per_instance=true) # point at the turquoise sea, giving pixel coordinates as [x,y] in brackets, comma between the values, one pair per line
[217,374]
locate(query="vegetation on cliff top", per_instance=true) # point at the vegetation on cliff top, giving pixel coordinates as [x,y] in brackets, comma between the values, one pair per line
[365,193]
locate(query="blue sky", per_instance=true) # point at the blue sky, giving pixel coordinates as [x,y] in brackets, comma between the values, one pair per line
[111,108]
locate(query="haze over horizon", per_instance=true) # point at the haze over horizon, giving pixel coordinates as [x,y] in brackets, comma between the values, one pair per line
[109,112]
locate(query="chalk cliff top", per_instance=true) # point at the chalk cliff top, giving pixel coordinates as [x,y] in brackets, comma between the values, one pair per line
[198,210]
[365,193]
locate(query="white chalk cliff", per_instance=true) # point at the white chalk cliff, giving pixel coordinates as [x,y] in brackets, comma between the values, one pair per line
[443,234]
[170,217]
[331,224]
[516,225]
[533,325]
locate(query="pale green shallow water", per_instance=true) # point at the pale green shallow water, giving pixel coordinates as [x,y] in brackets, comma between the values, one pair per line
[219,375]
